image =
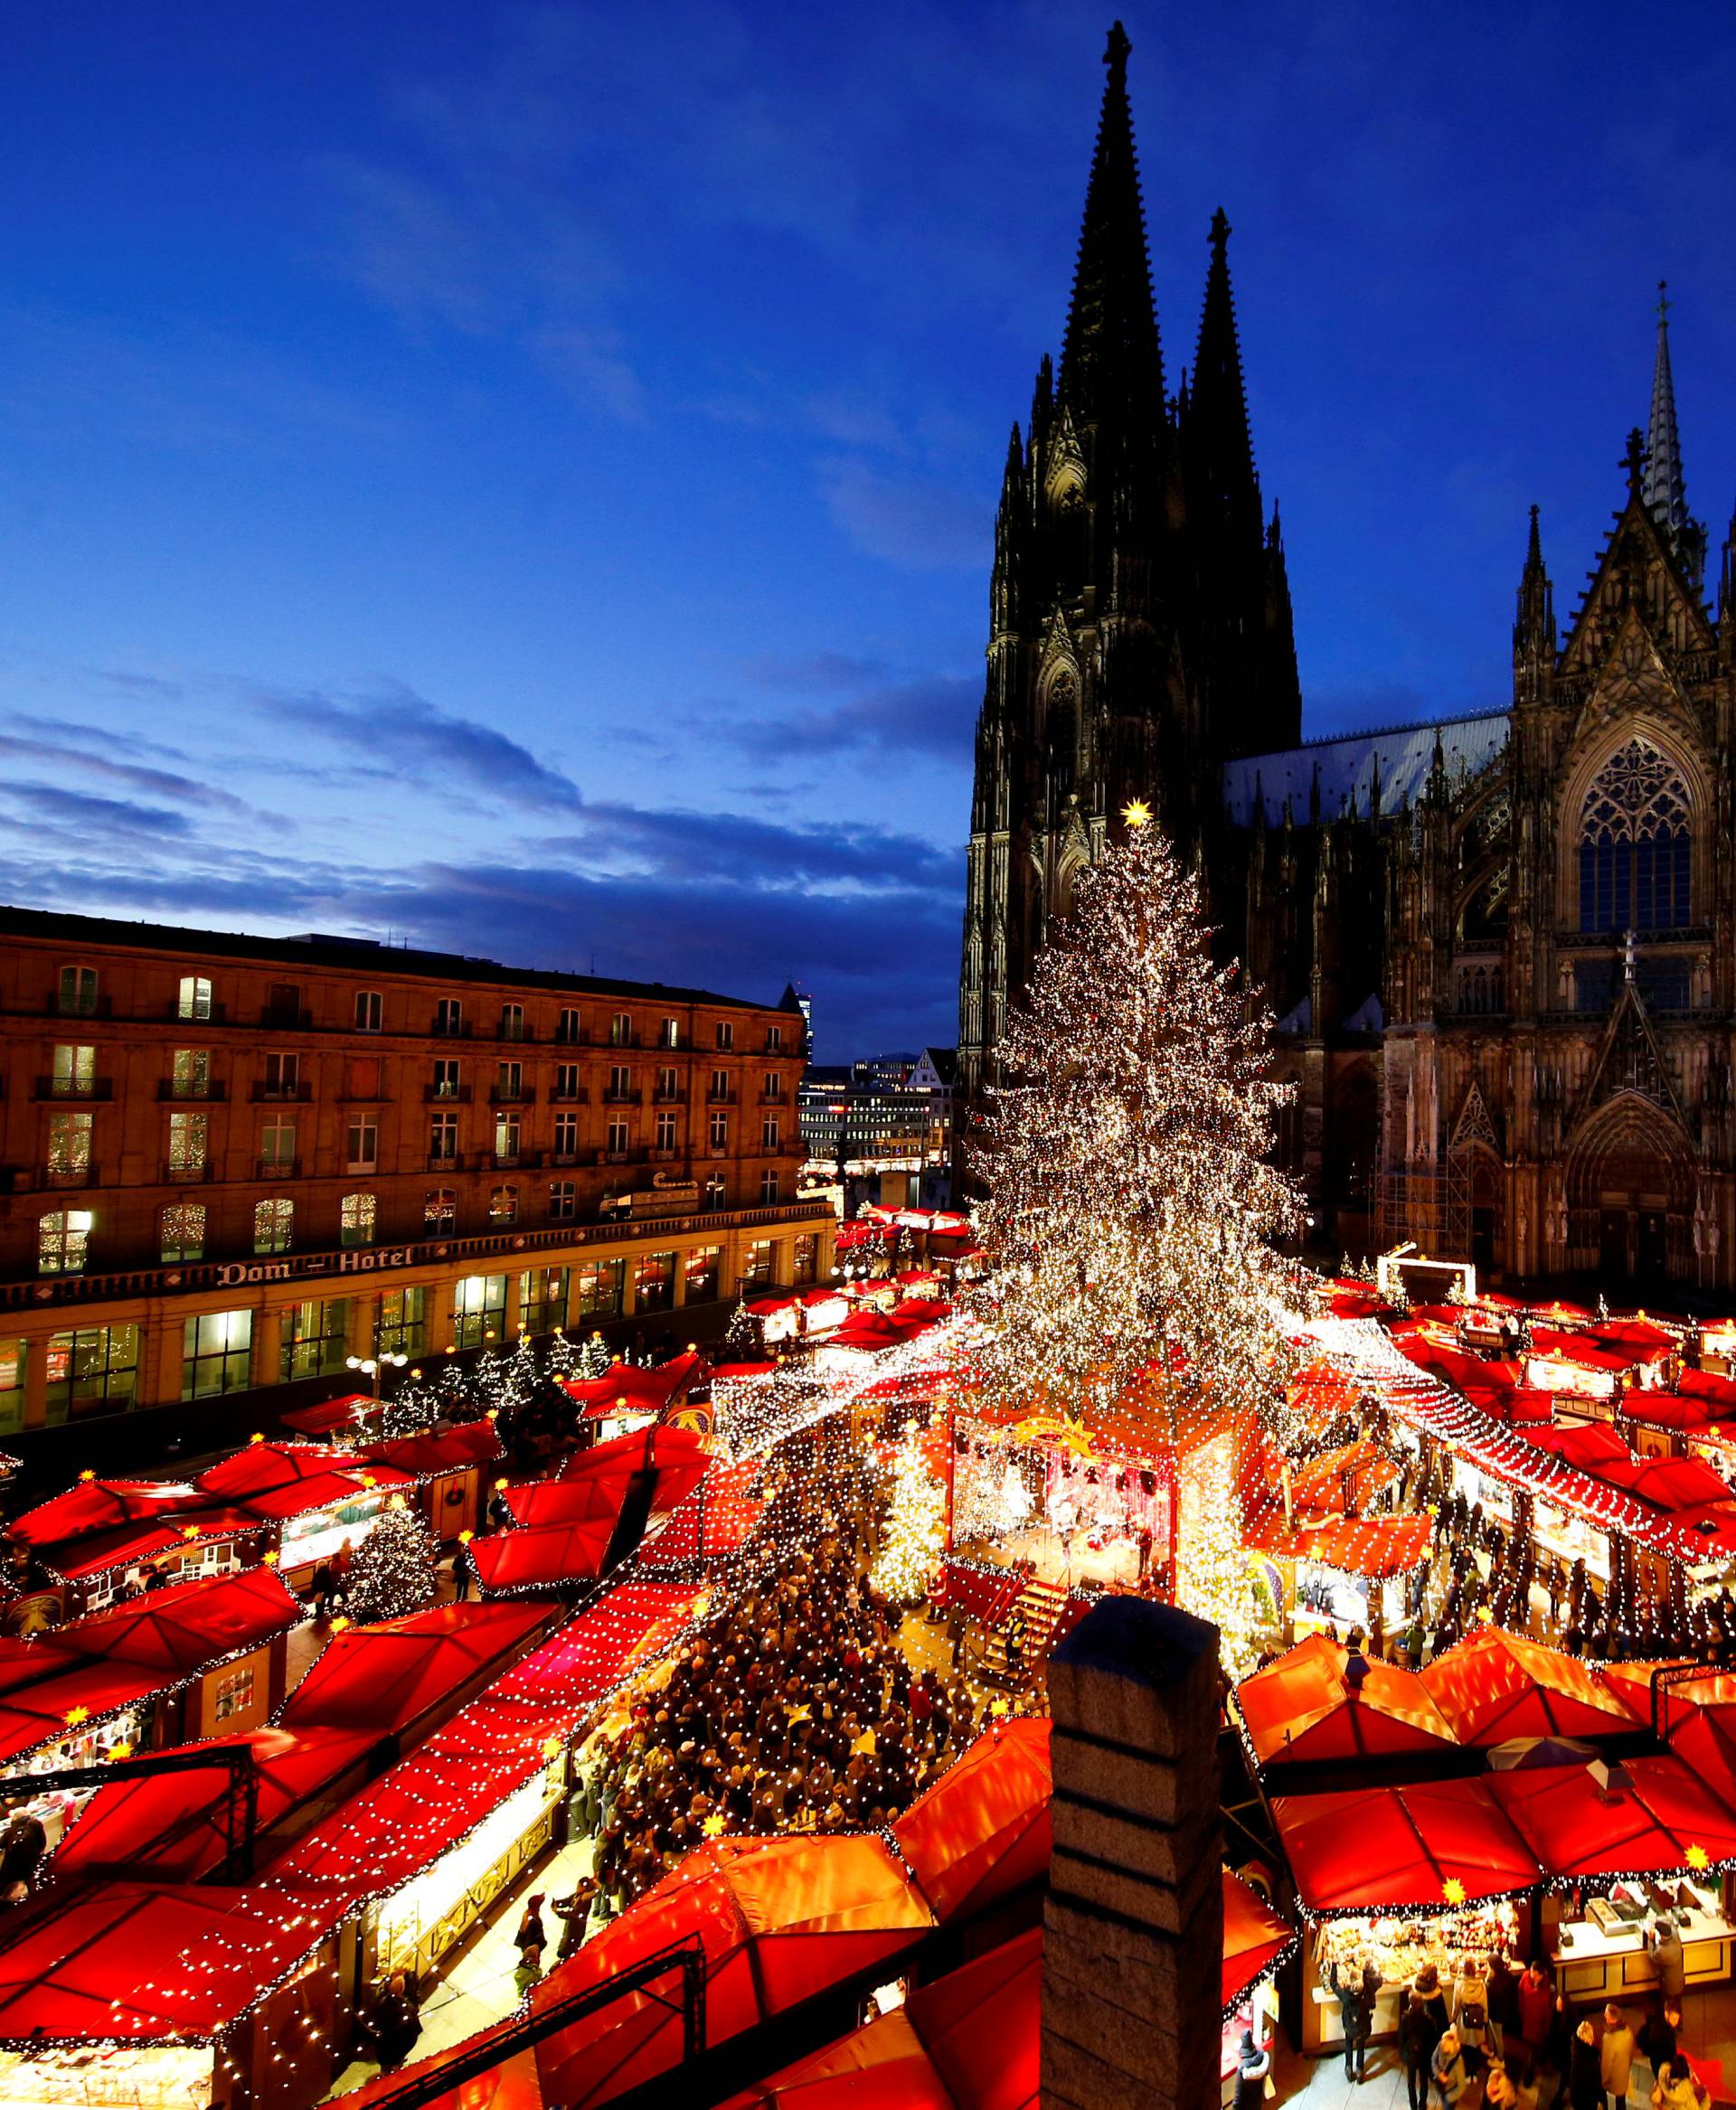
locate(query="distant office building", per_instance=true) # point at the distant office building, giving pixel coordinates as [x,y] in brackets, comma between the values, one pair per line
[889,1119]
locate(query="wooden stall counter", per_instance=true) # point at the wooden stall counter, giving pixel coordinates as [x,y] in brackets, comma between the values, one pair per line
[1593,1965]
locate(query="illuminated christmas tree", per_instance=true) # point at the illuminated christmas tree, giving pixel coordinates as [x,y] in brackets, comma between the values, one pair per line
[391,1571]
[915,1534]
[1212,1579]
[594,1358]
[1132,1207]
[562,1356]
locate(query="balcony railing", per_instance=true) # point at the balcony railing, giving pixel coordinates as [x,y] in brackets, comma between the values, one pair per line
[277,1168]
[205,1088]
[721,1099]
[67,1177]
[511,1095]
[578,1096]
[75,1088]
[612,1097]
[271,1094]
[192,1014]
[192,1174]
[441,1161]
[446,1095]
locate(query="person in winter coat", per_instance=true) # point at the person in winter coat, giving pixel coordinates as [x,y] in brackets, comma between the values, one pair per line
[1417,2041]
[1350,1982]
[396,2023]
[1448,2080]
[575,1911]
[1534,1998]
[1503,2002]
[1471,2013]
[1498,2090]
[1251,2069]
[1618,2055]
[532,1934]
[1667,1961]
[1677,2089]
[1585,2071]
[1657,2035]
[1434,2001]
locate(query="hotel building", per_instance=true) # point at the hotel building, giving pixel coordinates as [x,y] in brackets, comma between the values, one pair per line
[231,1162]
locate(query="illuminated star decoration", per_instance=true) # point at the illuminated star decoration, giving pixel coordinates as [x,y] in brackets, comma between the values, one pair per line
[795,1714]
[1137,813]
[1698,1858]
[713,1825]
[1453,1890]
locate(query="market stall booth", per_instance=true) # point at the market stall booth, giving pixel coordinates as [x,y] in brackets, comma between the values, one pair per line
[627,1396]
[982,1831]
[1335,1573]
[451,1467]
[1256,1943]
[1494,1685]
[1301,1709]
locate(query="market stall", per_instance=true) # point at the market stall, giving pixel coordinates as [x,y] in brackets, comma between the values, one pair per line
[1494,1685]
[1343,1572]
[1301,1709]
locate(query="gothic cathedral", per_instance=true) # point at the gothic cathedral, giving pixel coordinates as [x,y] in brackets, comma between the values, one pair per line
[1501,948]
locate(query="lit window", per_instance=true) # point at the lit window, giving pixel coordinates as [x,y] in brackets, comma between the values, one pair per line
[760,1264]
[541,1299]
[75,1073]
[369,1011]
[93,1370]
[401,1325]
[62,1241]
[702,1270]
[716,1191]
[78,992]
[774,1039]
[190,1073]
[277,1144]
[12,1386]
[69,1149]
[355,1219]
[189,1142]
[216,1354]
[665,1132]
[563,1201]
[478,1310]
[620,1031]
[440,1211]
[508,1131]
[446,1079]
[502,1205]
[315,1339]
[182,1229]
[806,1260]
[600,1288]
[273,1223]
[194,1000]
[654,1279]
[671,1033]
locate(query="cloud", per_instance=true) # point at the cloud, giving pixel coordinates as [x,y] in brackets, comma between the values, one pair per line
[738,850]
[53,803]
[935,717]
[162,783]
[429,746]
[923,526]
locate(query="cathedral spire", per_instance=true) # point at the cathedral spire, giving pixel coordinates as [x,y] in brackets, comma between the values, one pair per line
[1220,442]
[1110,359]
[1662,487]
[1534,628]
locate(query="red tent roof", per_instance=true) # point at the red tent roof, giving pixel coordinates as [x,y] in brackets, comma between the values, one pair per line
[177,1631]
[717,1517]
[1356,1471]
[133,1544]
[1670,1483]
[1299,1708]
[443,1450]
[1372,1547]
[294,1498]
[1589,1445]
[381,1678]
[1494,1685]
[982,1830]
[639,1451]
[100,1505]
[542,1556]
[170,1825]
[1574,1830]
[1705,1384]
[263,1468]
[330,1415]
[645,1392]
[1577,1348]
[1254,1938]
[1371,1850]
[567,1501]
[781,1920]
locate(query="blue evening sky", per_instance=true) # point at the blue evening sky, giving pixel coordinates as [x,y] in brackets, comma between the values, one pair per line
[521,478]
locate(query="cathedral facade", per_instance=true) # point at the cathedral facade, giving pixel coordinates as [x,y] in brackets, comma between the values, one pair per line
[1501,948]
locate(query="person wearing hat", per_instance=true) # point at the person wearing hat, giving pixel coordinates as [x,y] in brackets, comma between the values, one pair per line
[1251,2068]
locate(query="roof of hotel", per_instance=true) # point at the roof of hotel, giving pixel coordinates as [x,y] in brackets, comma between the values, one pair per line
[1347,763]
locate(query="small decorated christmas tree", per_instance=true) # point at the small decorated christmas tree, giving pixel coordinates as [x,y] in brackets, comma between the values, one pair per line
[744,1339]
[915,1533]
[414,1407]
[594,1358]
[519,1376]
[391,1571]
[563,1355]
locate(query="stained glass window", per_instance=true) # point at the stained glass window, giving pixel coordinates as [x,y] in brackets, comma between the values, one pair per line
[1634,844]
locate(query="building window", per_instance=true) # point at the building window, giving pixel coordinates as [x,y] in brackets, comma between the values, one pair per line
[509,1080]
[774,1040]
[362,1143]
[478,1310]
[511,1021]
[654,1281]
[69,1150]
[182,1231]
[775,1085]
[566,1080]
[64,1241]
[1634,844]
[720,1084]
[274,1224]
[769,1133]
[668,1085]
[502,1205]
[277,1144]
[719,1132]
[563,1201]
[508,1131]
[282,1077]
[449,1016]
[541,1299]
[446,1078]
[315,1339]
[78,992]
[401,1327]
[569,1028]
[12,1387]
[194,1000]
[566,1139]
[618,1145]
[355,1219]
[666,1132]
[189,1142]
[806,1260]
[439,1212]
[767,1188]
[442,1141]
[216,1354]
[702,1265]
[93,1370]
[369,1011]
[74,1075]
[669,1034]
[620,1031]
[716,1191]
[600,1288]
[725,1033]
[190,1073]
[759,1265]
[620,1081]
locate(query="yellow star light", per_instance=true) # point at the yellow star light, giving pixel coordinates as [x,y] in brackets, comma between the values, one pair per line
[795,1714]
[1137,813]
[1453,1890]
[75,1715]
[713,1825]
[1698,1858]
[865,1744]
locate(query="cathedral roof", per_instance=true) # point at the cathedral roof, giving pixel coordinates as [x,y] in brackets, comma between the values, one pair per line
[1399,757]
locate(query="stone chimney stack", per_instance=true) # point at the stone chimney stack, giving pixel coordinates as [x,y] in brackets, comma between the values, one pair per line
[1133,1924]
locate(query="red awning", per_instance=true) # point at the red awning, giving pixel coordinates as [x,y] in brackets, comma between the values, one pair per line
[382,1677]
[325,1490]
[1577,1348]
[542,1556]
[982,1829]
[543,1502]
[1300,1709]
[172,1826]
[331,1415]
[1494,1685]
[1254,1938]
[1589,1445]
[717,1517]
[262,1468]
[1375,1850]
[439,1450]
[1371,1548]
[1648,1827]
[1703,1384]
[1670,1483]
[632,1389]
[133,1545]
[100,1505]
[177,1631]
[1348,1478]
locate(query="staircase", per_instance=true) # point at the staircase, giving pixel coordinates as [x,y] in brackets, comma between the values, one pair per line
[1041,1602]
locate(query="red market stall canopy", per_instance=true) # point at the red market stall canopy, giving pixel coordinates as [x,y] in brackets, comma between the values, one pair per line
[1687,1416]
[172,1826]
[1345,1480]
[1300,1709]
[664,1450]
[1320,1391]
[1664,1819]
[262,1468]
[101,1506]
[1579,1348]
[869,1333]
[545,1503]
[331,1415]
[1372,1548]
[1719,1393]
[78,1560]
[295,1498]
[1494,1685]
[1671,1483]
[1254,1940]
[147,1961]
[382,1678]
[542,1556]
[511,2086]
[433,1451]
[182,1630]
[1591,1446]
[780,1919]
[1640,1332]
[982,1830]
[719,1517]
[1390,1849]
[627,1388]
